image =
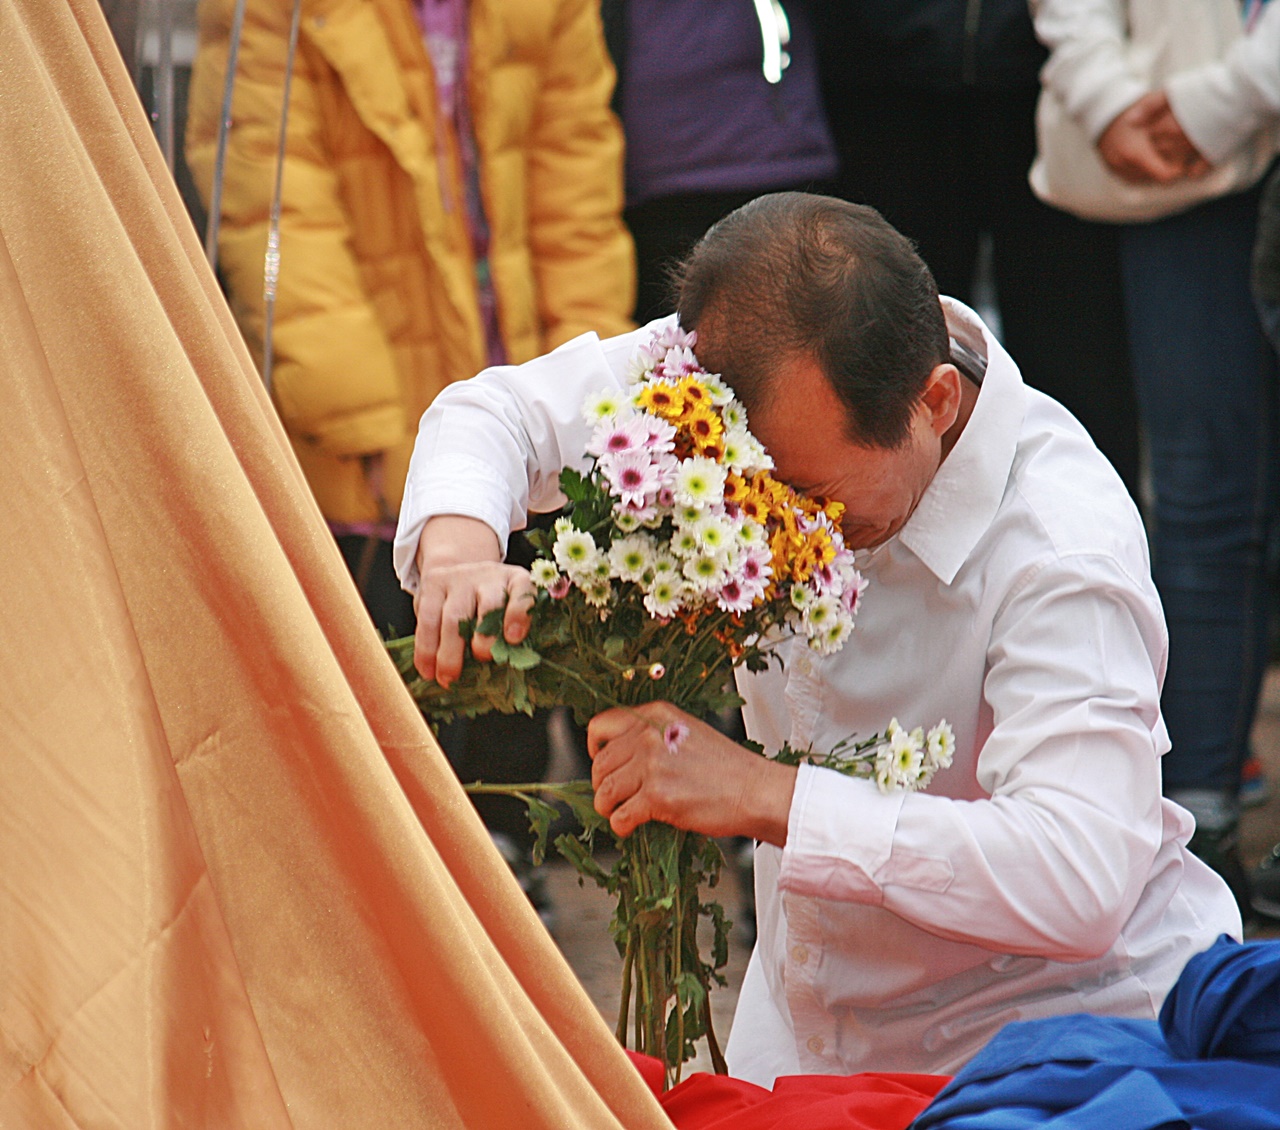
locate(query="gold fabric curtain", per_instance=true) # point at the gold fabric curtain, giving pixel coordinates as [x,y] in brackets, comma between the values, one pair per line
[239,885]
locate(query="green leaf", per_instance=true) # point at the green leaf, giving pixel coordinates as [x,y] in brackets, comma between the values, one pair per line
[522,657]
[490,623]
[541,815]
[576,487]
[577,853]
[614,646]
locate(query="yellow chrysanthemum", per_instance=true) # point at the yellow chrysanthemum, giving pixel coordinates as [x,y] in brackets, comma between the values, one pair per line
[695,393]
[735,488]
[662,400]
[704,428]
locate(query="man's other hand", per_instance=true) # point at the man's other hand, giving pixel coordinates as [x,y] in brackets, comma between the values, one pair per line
[655,762]
[462,577]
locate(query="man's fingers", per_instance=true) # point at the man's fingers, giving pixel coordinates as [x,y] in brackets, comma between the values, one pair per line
[628,817]
[607,726]
[617,787]
[426,637]
[520,599]
[489,597]
[459,605]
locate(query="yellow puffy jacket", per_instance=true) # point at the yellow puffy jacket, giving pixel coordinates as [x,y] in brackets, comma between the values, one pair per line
[376,306]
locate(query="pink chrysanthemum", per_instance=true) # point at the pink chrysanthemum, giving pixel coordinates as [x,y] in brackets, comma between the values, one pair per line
[613,437]
[633,477]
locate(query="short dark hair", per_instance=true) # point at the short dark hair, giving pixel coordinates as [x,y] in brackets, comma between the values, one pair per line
[794,273]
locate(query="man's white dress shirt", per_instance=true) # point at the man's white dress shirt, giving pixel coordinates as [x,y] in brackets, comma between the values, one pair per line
[1042,873]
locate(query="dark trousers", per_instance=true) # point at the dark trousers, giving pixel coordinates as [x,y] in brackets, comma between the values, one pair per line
[495,747]
[946,167]
[1207,384]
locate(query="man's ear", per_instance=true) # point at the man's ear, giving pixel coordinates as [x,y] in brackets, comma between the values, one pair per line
[941,397]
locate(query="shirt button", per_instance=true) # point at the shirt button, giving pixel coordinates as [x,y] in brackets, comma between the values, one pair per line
[799,955]
[804,665]
[816,1044]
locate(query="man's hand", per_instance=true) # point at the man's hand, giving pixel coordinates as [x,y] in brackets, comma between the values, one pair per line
[461,577]
[1130,147]
[655,762]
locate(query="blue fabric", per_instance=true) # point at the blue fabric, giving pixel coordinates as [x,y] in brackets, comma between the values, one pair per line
[1226,1004]
[1102,1073]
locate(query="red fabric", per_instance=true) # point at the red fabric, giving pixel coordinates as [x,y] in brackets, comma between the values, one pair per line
[869,1101]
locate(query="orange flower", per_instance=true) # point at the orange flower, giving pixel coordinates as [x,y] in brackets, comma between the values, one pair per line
[735,488]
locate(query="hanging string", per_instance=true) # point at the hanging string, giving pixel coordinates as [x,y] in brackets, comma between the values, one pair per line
[271,268]
[224,130]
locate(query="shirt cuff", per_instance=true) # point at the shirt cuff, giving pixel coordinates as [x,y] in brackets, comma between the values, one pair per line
[457,484]
[839,836]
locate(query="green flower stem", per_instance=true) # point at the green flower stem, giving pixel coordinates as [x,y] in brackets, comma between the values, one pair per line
[628,958]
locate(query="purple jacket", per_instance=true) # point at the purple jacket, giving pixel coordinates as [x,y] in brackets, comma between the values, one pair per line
[699,114]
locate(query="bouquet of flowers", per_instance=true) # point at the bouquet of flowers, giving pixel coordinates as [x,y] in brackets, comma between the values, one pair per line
[679,557]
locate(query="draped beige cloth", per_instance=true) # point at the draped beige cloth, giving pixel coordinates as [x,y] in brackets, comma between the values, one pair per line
[238,884]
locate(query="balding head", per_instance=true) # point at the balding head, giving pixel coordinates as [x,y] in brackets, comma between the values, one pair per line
[792,274]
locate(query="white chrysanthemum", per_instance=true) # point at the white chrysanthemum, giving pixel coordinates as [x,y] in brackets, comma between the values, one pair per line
[752,535]
[628,521]
[629,557]
[834,636]
[899,758]
[575,550]
[819,613]
[665,597]
[597,591]
[664,564]
[544,573]
[640,366]
[721,394]
[940,746]
[739,450]
[684,542]
[801,596]
[687,515]
[714,534]
[605,405]
[705,571]
[734,415]
[563,526]
[754,456]
[699,482]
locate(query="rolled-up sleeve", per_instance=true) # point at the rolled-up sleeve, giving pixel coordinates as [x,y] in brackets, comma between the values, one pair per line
[493,447]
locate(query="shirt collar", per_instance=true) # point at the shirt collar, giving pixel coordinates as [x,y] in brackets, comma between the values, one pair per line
[961,502]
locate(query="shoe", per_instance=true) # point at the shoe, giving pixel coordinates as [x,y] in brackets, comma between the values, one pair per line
[529,877]
[1255,789]
[1265,887]
[1220,849]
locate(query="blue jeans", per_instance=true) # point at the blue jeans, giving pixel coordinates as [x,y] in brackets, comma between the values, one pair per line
[1206,381]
